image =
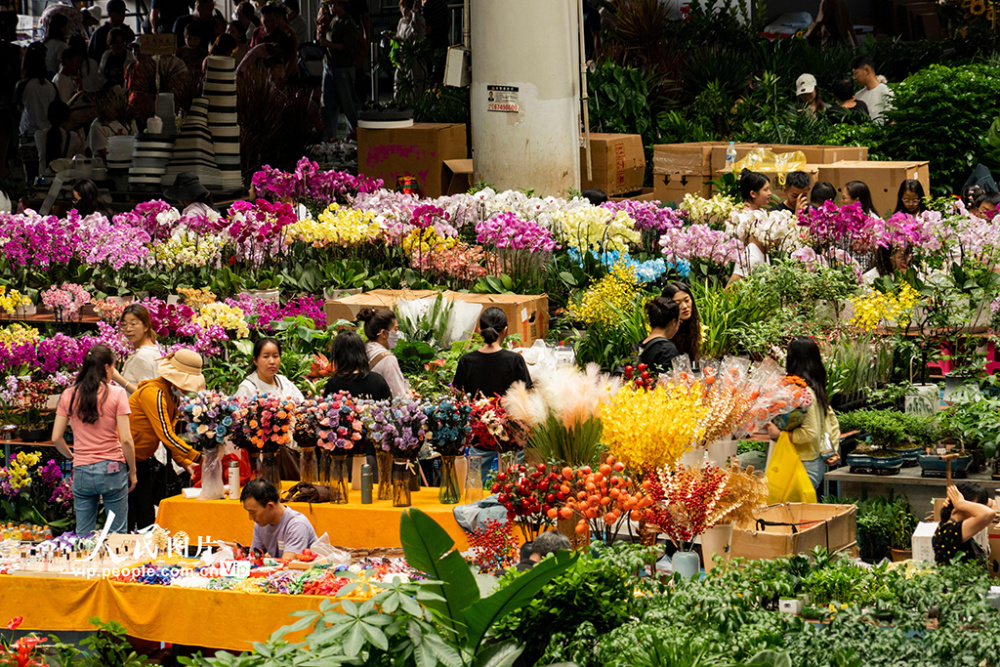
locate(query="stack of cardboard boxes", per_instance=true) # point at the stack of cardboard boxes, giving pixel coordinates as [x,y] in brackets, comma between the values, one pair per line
[680,169]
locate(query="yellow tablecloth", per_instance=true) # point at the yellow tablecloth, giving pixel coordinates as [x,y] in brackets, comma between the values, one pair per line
[352,525]
[196,617]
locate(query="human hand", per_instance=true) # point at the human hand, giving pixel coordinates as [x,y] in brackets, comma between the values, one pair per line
[801,202]
[132,481]
[773,431]
[955,498]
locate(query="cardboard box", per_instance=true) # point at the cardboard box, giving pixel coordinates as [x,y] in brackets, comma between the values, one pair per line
[527,315]
[719,154]
[456,176]
[419,151]
[883,178]
[797,528]
[618,164]
[647,194]
[778,178]
[691,159]
[921,542]
[673,187]
[823,154]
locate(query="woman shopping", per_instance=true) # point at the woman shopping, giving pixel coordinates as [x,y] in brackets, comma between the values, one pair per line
[137,326]
[490,370]
[103,455]
[820,423]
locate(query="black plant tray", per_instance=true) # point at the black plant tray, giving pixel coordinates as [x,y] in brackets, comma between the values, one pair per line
[879,472]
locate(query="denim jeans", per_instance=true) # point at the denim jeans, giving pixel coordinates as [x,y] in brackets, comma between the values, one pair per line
[92,483]
[338,95]
[815,469]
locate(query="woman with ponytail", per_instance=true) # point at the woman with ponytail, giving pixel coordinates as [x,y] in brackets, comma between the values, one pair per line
[490,370]
[103,455]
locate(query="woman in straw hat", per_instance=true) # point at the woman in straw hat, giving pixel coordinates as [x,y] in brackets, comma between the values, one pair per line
[154,410]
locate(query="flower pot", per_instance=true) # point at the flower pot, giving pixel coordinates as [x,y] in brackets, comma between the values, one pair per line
[340,470]
[26,311]
[687,563]
[7,431]
[384,461]
[34,434]
[716,541]
[450,492]
[900,555]
[401,474]
[211,475]
[925,402]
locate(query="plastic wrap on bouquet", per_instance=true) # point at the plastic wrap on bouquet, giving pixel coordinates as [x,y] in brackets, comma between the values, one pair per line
[212,487]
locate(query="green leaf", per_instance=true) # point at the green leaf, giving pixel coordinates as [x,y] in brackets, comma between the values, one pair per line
[482,615]
[431,550]
[500,655]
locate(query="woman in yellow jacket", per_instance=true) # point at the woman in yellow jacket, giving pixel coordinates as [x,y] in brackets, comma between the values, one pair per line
[154,410]
[820,422]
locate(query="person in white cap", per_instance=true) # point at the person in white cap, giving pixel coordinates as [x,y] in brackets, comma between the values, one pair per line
[153,412]
[805,89]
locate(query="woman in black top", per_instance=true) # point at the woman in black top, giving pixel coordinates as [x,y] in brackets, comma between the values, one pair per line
[657,351]
[352,373]
[968,511]
[687,340]
[490,370]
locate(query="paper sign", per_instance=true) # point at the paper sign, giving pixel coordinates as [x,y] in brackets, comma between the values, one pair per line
[158,45]
[503,99]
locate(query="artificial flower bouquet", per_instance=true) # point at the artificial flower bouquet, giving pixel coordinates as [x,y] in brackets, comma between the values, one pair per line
[340,430]
[267,422]
[207,418]
[395,427]
[448,424]
[308,414]
[605,499]
[494,429]
[529,493]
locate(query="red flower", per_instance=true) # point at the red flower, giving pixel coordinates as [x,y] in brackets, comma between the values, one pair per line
[15,623]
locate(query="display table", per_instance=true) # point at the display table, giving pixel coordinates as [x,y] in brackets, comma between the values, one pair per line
[191,616]
[354,525]
[919,491]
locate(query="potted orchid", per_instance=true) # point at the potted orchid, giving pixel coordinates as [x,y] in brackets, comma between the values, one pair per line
[66,301]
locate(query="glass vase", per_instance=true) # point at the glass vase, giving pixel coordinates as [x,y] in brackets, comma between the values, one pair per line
[401,474]
[474,480]
[450,492]
[270,470]
[211,474]
[506,461]
[308,465]
[324,458]
[384,475]
[254,464]
[340,472]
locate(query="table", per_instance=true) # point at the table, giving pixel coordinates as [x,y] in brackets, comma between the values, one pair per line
[354,525]
[154,613]
[919,491]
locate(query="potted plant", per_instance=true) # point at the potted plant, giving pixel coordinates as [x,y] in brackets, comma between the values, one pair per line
[884,432]
[973,420]
[30,400]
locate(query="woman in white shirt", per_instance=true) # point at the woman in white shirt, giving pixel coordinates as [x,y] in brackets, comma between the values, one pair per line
[755,189]
[265,378]
[141,365]
[382,332]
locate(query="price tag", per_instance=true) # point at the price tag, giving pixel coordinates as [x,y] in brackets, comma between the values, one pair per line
[157,45]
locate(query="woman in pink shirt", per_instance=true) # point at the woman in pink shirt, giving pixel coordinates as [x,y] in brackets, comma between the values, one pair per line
[103,456]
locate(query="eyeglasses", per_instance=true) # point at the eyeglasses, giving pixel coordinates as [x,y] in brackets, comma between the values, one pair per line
[911,200]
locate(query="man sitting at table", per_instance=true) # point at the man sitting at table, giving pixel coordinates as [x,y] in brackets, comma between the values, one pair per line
[278,530]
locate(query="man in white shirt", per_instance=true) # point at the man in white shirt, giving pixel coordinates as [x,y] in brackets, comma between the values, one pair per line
[874,93]
[68,79]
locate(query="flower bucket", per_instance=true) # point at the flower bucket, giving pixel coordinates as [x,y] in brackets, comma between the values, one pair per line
[686,563]
[716,540]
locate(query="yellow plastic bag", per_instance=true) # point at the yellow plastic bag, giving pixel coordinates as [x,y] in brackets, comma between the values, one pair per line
[787,478]
[777,165]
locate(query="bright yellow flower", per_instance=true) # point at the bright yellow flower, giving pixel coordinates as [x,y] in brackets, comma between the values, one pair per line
[337,226]
[427,240]
[230,318]
[872,309]
[11,301]
[606,299]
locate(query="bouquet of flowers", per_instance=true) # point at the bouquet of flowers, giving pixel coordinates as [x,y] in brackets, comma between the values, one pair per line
[267,422]
[448,424]
[610,498]
[398,428]
[207,418]
[308,414]
[66,300]
[339,425]
[529,494]
[494,429]
[688,501]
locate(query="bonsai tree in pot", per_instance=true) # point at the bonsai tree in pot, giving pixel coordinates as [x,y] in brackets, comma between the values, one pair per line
[883,428]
